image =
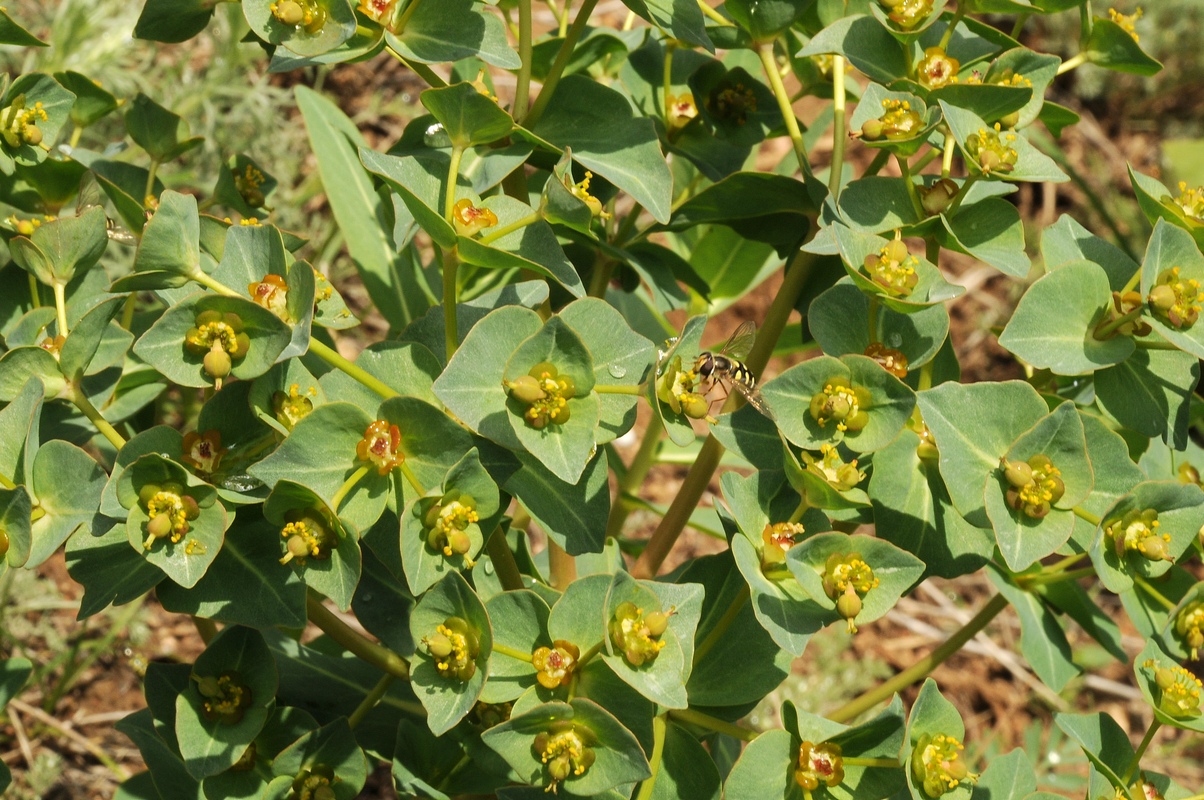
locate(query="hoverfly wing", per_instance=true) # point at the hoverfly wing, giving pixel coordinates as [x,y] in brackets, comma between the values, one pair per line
[754,399]
[741,341]
[90,197]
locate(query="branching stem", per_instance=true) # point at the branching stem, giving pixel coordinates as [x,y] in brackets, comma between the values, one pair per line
[355,643]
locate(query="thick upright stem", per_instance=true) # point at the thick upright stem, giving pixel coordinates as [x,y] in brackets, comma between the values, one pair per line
[770,65]
[332,357]
[563,566]
[654,762]
[838,125]
[82,402]
[60,306]
[522,89]
[380,657]
[503,561]
[634,478]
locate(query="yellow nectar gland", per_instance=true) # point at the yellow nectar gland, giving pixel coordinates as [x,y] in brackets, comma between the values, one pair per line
[306,535]
[908,13]
[555,665]
[936,764]
[471,220]
[1190,201]
[992,150]
[453,648]
[308,15]
[891,360]
[841,402]
[249,185]
[1179,690]
[580,190]
[1176,301]
[1137,531]
[636,635]
[937,69]
[381,447]
[1127,22]
[893,268]
[819,764]
[681,110]
[291,408]
[566,752]
[1189,626]
[271,293]
[19,125]
[227,697]
[169,510]
[378,10]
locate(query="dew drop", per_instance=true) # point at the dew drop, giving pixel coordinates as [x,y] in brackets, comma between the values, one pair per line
[616,370]
[895,340]
[367,597]
[488,567]
[436,136]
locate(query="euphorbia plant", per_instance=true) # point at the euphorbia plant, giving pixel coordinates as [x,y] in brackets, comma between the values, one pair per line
[563,227]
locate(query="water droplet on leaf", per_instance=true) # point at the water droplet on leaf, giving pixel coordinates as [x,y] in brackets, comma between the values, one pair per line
[616,370]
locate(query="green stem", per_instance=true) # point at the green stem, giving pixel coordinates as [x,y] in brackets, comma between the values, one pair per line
[1149,589]
[925,665]
[400,26]
[518,224]
[411,478]
[150,180]
[588,656]
[209,282]
[887,763]
[85,406]
[503,561]
[947,156]
[347,486]
[419,69]
[961,195]
[35,294]
[879,161]
[599,278]
[1086,516]
[1042,578]
[654,762]
[770,66]
[451,332]
[522,87]
[930,155]
[331,357]
[1141,748]
[561,565]
[693,717]
[714,15]
[512,652]
[667,81]
[1019,26]
[873,318]
[634,477]
[371,699]
[1071,63]
[205,627]
[704,466]
[1146,344]
[453,178]
[838,125]
[1133,281]
[60,306]
[905,168]
[378,656]
[725,622]
[1109,328]
[559,63]
[799,510]
[953,23]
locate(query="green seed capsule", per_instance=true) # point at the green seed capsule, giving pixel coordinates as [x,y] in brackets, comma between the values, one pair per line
[32,135]
[526,389]
[3,543]
[289,12]
[159,526]
[872,130]
[1162,298]
[848,605]
[148,492]
[542,367]
[1018,473]
[297,547]
[217,363]
[656,622]
[439,645]
[459,542]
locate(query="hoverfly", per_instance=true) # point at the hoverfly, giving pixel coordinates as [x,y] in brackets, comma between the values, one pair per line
[726,367]
[90,197]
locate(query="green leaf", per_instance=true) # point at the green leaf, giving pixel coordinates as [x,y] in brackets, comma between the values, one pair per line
[521,622]
[358,209]
[1104,743]
[620,356]
[598,124]
[23,364]
[532,247]
[184,557]
[332,745]
[789,396]
[1156,203]
[210,746]
[931,289]
[1171,247]
[162,346]
[578,615]
[877,204]
[760,206]
[680,18]
[1067,242]
[896,570]
[337,26]
[1180,510]
[68,504]
[1073,600]
[108,569]
[1150,392]
[1112,47]
[86,338]
[407,368]
[865,43]
[171,239]
[972,435]
[765,770]
[1031,163]
[1042,641]
[839,321]
[1008,777]
[14,34]
[686,769]
[448,699]
[172,21]
[572,515]
[619,757]
[468,117]
[160,132]
[15,509]
[471,385]
[38,87]
[245,585]
[991,102]
[70,245]
[451,30]
[991,231]
[782,607]
[1115,473]
[166,766]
